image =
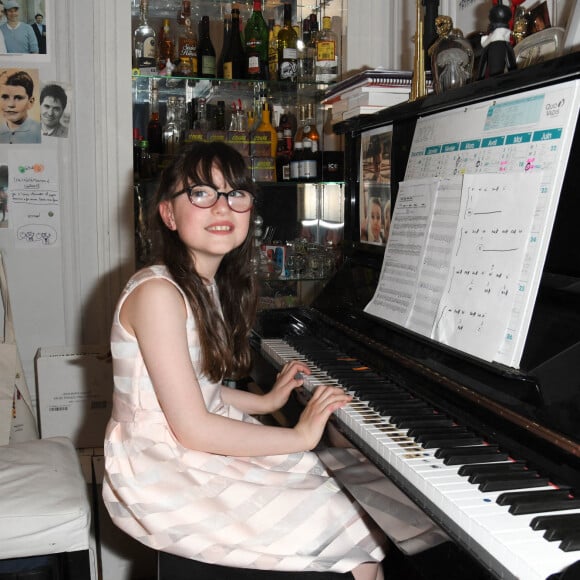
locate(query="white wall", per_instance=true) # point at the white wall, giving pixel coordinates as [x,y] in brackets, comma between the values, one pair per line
[64,294]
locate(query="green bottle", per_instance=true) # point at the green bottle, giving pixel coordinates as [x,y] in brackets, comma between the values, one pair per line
[256,43]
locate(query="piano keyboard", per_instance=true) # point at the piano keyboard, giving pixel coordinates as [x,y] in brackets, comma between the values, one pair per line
[512,519]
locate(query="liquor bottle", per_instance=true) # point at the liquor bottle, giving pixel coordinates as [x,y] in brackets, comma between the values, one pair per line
[171,129]
[308,163]
[326,70]
[309,130]
[227,37]
[285,148]
[166,49]
[206,52]
[296,162]
[154,128]
[266,126]
[287,51]
[187,44]
[301,47]
[145,43]
[145,163]
[256,44]
[235,61]
[273,30]
[310,49]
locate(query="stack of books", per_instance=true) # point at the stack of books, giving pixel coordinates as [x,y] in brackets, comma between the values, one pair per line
[368,92]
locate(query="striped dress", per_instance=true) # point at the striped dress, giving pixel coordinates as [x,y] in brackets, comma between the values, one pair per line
[280,512]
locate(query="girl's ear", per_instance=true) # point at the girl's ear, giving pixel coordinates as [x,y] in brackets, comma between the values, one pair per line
[166,213]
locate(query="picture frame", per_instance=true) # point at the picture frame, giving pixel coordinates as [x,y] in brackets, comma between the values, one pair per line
[27,12]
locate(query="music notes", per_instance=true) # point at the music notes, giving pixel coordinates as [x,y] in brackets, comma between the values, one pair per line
[452,263]
[494,228]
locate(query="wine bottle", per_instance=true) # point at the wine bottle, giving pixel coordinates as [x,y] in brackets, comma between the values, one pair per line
[234,61]
[187,44]
[206,51]
[256,44]
[145,43]
[166,49]
[227,38]
[273,30]
[154,128]
[326,70]
[287,50]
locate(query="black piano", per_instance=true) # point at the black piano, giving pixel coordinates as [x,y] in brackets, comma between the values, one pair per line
[491,452]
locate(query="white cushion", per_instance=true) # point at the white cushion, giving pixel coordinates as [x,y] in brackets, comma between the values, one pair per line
[44,506]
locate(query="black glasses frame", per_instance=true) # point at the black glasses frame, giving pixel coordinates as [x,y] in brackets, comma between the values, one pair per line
[189,190]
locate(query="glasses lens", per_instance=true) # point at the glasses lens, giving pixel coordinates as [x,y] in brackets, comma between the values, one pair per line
[240,200]
[202,196]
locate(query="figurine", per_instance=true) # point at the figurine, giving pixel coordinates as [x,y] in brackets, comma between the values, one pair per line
[498,54]
[451,56]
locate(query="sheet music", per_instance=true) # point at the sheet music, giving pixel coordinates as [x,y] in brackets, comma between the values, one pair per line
[494,227]
[524,134]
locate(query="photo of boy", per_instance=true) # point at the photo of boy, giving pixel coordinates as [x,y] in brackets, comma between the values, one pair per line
[17,105]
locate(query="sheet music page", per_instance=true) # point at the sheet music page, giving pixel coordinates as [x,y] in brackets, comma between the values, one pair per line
[495,221]
[434,267]
[397,285]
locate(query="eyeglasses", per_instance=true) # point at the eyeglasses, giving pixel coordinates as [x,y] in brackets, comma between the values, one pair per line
[205,196]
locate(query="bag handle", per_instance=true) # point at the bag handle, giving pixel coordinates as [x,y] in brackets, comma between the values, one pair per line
[9,334]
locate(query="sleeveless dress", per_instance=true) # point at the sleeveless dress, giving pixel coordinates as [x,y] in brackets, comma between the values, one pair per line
[282,512]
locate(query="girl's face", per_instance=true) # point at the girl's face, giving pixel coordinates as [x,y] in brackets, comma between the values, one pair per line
[209,233]
[15,104]
[376,221]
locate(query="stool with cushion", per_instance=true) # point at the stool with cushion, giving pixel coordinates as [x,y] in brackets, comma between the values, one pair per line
[44,512]
[176,568]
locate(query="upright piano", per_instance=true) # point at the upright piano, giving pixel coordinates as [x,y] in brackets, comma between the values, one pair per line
[489,450]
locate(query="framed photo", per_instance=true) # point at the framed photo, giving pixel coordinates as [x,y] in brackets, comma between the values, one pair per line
[375,186]
[34,20]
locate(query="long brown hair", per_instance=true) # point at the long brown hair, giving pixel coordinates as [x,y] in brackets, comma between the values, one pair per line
[225,349]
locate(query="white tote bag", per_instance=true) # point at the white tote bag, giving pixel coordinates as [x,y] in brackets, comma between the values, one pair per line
[17,422]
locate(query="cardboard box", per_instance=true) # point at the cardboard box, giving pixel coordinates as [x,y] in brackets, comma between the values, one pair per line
[74,393]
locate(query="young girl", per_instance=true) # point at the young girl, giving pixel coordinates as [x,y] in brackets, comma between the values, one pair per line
[188,470]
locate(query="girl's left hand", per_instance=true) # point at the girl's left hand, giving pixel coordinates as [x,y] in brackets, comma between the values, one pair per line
[288,379]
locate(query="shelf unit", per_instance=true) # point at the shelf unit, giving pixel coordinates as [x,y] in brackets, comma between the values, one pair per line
[292,212]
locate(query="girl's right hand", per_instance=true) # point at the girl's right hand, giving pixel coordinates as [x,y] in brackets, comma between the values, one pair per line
[324,401]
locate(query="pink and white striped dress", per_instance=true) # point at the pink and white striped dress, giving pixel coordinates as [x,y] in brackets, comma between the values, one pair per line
[282,512]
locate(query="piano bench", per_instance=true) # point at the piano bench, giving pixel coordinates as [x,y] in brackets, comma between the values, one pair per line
[172,567]
[45,513]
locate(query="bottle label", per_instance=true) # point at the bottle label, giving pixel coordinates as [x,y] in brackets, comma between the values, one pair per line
[254,65]
[308,169]
[149,47]
[228,74]
[287,70]
[326,50]
[208,65]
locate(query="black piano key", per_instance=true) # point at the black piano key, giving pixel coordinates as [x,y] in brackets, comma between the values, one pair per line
[436,430]
[410,422]
[465,455]
[523,480]
[530,502]
[432,440]
[545,522]
[571,543]
[476,468]
[559,532]
[534,496]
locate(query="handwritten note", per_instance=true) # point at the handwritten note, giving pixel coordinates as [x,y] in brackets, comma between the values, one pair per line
[34,199]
